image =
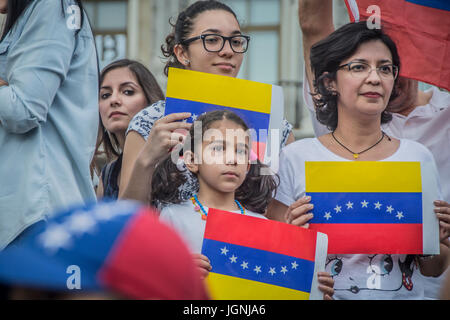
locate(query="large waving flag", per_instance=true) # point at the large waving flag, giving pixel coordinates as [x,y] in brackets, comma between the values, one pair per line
[421,30]
[259,105]
[260,259]
[374,207]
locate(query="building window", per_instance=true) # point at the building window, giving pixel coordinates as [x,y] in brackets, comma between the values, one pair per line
[260,19]
[109,24]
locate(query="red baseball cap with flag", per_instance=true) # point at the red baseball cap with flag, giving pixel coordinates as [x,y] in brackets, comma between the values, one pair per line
[112,246]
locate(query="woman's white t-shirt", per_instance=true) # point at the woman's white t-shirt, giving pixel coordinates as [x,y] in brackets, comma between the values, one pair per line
[357,276]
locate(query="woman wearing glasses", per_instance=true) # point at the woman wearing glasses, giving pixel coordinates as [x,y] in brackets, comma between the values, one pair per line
[207,38]
[354,71]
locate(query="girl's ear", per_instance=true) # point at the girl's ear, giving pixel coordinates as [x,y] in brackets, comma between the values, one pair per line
[181,54]
[191,161]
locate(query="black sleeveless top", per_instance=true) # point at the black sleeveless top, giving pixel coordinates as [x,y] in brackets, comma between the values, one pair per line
[110,173]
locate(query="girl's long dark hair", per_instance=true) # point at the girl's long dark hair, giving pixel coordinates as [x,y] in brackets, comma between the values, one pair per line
[254,194]
[17,7]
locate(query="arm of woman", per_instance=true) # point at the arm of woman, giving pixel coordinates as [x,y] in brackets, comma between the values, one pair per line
[140,157]
[436,265]
[316,23]
[37,65]
[137,169]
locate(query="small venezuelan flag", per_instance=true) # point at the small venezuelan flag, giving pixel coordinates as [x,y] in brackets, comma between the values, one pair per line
[372,207]
[261,259]
[259,105]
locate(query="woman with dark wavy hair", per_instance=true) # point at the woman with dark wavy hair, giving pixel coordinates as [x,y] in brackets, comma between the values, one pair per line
[354,74]
[48,111]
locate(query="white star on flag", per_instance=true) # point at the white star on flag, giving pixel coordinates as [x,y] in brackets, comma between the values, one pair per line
[194,117]
[294,265]
[233,258]
[55,237]
[349,205]
[399,215]
[364,204]
[389,209]
[337,208]
[244,265]
[224,250]
[284,269]
[327,215]
[272,271]
[377,205]
[80,222]
[257,269]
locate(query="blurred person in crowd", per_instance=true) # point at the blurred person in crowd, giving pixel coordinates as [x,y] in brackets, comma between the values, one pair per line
[48,111]
[105,250]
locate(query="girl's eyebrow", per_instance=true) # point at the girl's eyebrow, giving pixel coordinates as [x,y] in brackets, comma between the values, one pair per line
[217,31]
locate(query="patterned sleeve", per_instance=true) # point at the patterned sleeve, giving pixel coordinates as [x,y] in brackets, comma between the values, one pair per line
[143,121]
[287,129]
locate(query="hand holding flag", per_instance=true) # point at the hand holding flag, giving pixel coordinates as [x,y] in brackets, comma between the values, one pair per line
[273,261]
[442,210]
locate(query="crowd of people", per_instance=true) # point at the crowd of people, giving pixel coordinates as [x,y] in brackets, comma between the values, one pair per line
[57,112]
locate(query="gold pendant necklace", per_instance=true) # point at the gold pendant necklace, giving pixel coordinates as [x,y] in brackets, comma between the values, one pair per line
[357,154]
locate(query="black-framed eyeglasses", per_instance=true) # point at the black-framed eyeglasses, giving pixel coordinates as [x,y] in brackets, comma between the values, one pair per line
[216,42]
[360,69]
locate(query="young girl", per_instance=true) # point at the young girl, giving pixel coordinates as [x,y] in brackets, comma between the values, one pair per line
[126,87]
[149,136]
[227,181]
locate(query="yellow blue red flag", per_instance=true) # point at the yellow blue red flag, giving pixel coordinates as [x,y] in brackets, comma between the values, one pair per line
[373,207]
[260,105]
[421,31]
[261,259]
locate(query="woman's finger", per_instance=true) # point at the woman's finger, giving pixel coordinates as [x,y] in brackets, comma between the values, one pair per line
[301,210]
[302,221]
[174,117]
[170,127]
